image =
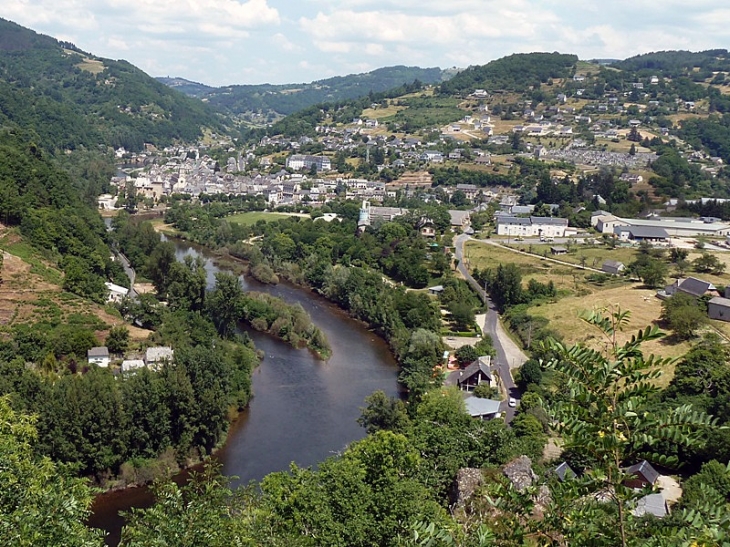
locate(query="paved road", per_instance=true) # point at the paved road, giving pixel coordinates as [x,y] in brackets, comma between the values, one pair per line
[130,274]
[509,356]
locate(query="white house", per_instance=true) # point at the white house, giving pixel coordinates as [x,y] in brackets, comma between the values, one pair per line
[130,365]
[98,356]
[116,292]
[158,354]
[531,227]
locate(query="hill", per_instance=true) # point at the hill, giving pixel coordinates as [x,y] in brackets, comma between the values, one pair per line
[512,73]
[75,99]
[271,100]
[187,87]
[671,63]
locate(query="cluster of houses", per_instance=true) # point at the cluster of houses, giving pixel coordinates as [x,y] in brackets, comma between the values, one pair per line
[152,358]
[639,476]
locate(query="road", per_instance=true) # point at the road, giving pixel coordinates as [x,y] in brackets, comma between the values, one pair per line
[509,355]
[130,274]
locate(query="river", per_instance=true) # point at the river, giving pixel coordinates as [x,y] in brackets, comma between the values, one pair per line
[303,410]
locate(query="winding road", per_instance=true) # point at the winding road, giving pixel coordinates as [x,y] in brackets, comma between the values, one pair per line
[509,355]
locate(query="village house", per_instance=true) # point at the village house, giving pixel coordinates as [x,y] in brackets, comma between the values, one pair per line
[132,365]
[641,474]
[482,409]
[155,356]
[98,356]
[470,190]
[564,472]
[460,220]
[477,373]
[691,286]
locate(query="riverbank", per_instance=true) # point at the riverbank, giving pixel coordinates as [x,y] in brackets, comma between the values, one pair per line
[301,412]
[270,314]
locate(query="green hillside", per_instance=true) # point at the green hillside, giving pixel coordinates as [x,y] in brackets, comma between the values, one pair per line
[671,63]
[289,98]
[72,98]
[512,73]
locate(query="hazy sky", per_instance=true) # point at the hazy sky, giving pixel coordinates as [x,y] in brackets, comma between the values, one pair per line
[221,42]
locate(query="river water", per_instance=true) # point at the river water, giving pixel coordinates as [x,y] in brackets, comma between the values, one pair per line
[303,410]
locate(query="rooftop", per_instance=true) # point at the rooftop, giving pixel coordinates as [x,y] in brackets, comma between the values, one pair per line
[476,406]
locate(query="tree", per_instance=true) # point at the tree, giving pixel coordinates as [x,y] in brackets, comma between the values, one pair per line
[505,286]
[224,303]
[383,412]
[466,354]
[530,373]
[118,339]
[708,263]
[652,272]
[463,315]
[39,504]
[609,416]
[683,314]
[200,513]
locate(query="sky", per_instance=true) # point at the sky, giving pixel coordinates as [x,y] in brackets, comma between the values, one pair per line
[223,42]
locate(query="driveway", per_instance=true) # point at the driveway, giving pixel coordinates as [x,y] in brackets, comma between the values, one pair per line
[509,355]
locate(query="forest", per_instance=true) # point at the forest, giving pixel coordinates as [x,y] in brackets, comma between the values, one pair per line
[512,73]
[290,98]
[44,85]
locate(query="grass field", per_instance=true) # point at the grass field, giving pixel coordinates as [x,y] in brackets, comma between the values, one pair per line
[377,113]
[579,295]
[595,255]
[253,217]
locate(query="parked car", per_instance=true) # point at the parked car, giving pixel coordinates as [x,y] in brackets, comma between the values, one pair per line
[512,402]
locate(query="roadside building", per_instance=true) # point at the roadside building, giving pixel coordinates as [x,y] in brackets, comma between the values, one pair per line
[477,373]
[482,409]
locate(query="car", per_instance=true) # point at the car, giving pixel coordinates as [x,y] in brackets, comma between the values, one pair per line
[512,402]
